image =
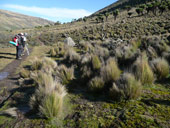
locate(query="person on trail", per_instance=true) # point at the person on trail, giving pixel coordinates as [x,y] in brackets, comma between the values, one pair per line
[24,39]
[19,47]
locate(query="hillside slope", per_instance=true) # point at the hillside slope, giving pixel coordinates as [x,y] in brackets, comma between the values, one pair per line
[10,20]
[120,4]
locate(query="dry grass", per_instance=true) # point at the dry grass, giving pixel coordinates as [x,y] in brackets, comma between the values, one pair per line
[24,73]
[37,52]
[96,62]
[110,71]
[7,55]
[64,74]
[52,52]
[161,68]
[142,70]
[48,98]
[71,55]
[126,88]
[96,84]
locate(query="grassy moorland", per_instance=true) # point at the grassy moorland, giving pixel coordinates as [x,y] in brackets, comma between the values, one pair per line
[117,75]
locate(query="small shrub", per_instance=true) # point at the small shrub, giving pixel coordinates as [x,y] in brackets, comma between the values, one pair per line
[142,70]
[96,84]
[161,67]
[110,72]
[126,88]
[96,62]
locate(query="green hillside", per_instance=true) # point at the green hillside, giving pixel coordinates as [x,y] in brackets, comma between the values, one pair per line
[11,21]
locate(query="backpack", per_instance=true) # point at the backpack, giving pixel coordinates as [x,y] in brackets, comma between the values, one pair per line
[15,38]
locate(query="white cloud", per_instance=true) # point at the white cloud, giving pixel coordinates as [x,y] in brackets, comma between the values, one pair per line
[52,12]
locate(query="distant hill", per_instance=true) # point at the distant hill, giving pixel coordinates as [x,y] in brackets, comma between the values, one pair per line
[120,4]
[10,21]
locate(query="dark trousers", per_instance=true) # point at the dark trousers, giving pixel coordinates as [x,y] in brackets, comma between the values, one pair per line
[19,51]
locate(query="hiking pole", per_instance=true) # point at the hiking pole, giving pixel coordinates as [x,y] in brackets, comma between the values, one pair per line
[28,53]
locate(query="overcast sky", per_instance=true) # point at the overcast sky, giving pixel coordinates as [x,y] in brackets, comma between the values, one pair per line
[55,10]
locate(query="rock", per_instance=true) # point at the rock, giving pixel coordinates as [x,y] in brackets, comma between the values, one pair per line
[69,41]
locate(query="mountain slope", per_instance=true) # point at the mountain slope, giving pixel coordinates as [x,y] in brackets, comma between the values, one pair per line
[10,20]
[119,5]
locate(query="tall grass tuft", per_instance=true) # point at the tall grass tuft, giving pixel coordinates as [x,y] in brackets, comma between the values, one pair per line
[52,52]
[110,71]
[36,64]
[71,55]
[96,62]
[65,74]
[126,88]
[96,84]
[142,70]
[161,68]
[48,97]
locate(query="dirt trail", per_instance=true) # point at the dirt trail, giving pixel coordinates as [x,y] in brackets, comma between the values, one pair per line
[11,82]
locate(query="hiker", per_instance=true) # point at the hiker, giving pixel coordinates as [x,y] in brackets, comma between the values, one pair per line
[24,39]
[19,47]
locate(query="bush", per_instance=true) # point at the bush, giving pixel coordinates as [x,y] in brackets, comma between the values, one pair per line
[48,97]
[161,67]
[96,62]
[96,84]
[142,70]
[110,71]
[126,88]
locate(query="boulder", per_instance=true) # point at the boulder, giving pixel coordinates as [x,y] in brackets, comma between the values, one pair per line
[69,41]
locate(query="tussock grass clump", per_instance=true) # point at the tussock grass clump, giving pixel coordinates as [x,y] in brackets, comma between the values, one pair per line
[52,53]
[126,88]
[65,74]
[110,71]
[86,46]
[36,64]
[86,71]
[96,64]
[46,64]
[101,52]
[142,70]
[161,68]
[72,55]
[41,78]
[24,73]
[96,84]
[48,97]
